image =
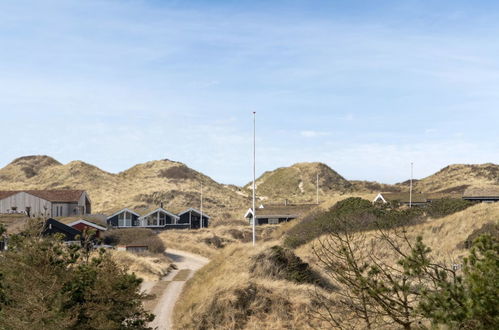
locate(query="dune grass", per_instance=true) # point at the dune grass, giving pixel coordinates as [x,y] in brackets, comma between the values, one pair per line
[231,292]
[225,294]
[209,242]
[150,267]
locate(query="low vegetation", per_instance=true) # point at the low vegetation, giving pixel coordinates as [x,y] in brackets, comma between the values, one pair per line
[279,263]
[147,266]
[273,287]
[232,292]
[210,241]
[362,215]
[135,236]
[46,284]
[408,290]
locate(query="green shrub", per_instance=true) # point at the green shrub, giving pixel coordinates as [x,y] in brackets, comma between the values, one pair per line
[47,284]
[447,206]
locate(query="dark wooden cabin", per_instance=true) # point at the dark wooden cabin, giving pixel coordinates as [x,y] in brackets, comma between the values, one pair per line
[276,214]
[192,217]
[53,226]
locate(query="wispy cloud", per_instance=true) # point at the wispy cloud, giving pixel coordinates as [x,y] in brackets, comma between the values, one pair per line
[314,134]
[139,80]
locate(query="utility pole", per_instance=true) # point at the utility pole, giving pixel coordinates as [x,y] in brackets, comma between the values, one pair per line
[254,178]
[317,188]
[410,187]
[201,220]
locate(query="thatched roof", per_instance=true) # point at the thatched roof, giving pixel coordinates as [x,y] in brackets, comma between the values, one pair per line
[485,191]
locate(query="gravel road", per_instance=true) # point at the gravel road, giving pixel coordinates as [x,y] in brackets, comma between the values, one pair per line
[187,264]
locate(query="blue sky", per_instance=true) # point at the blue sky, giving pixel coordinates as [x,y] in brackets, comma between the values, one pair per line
[364,86]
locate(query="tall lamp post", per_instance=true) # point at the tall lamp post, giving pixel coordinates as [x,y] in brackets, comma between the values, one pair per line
[254,178]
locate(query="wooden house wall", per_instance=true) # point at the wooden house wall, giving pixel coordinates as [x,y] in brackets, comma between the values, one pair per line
[68,209]
[85,204]
[22,200]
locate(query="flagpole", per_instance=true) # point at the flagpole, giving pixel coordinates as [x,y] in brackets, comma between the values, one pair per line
[254,178]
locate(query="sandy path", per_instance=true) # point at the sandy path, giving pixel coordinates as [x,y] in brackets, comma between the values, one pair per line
[187,264]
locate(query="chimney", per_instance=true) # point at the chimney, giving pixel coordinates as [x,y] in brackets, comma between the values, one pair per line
[161,204]
[286,202]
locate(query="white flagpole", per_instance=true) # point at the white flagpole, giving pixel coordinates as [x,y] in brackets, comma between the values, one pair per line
[254,178]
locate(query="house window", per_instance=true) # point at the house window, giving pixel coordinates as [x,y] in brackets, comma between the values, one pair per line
[152,220]
[125,219]
[162,219]
[273,221]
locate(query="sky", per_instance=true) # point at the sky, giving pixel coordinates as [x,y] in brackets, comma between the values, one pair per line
[366,87]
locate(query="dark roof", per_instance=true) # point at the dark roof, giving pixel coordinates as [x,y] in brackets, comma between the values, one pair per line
[404,197]
[94,220]
[486,191]
[53,226]
[284,211]
[61,196]
[193,210]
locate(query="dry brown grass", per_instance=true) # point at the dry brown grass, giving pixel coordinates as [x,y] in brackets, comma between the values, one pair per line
[208,242]
[150,267]
[458,177]
[226,295]
[444,235]
[14,223]
[223,295]
[144,185]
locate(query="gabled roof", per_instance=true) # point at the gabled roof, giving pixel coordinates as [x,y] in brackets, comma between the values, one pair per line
[148,212]
[88,223]
[402,197]
[123,210]
[89,218]
[281,211]
[191,209]
[55,196]
[65,228]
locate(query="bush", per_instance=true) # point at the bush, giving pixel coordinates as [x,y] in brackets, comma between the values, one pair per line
[359,214]
[135,236]
[280,263]
[447,206]
[46,284]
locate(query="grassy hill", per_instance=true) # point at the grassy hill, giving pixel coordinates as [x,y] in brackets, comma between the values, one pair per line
[144,185]
[458,177]
[178,186]
[232,291]
[298,183]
